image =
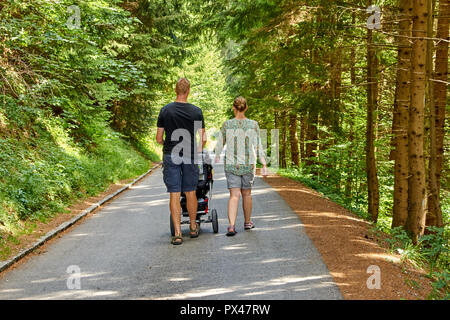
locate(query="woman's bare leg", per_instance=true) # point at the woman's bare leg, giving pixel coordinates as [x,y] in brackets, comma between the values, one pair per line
[247,204]
[233,204]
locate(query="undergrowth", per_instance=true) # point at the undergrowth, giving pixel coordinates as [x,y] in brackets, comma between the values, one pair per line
[43,169]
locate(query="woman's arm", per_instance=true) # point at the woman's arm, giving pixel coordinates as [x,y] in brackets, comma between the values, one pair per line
[260,152]
[221,142]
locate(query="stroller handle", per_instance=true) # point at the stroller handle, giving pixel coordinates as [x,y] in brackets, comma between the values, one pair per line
[205,157]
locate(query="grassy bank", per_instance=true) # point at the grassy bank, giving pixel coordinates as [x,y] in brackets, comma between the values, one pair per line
[43,168]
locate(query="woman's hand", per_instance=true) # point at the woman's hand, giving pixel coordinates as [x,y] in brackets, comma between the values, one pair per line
[217,159]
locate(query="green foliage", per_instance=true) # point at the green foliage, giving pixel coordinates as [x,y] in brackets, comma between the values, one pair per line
[208,86]
[147,145]
[155,45]
[441,287]
[111,69]
[47,171]
[284,57]
[435,246]
[60,89]
[431,251]
[401,243]
[78,107]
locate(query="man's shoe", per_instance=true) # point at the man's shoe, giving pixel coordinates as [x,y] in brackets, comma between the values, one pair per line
[177,240]
[195,233]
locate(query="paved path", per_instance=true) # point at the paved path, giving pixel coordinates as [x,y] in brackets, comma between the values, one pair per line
[124,252]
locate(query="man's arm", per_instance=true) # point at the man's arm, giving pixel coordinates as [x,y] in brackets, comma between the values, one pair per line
[202,141]
[160,136]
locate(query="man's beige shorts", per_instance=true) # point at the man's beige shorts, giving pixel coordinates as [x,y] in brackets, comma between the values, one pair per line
[242,182]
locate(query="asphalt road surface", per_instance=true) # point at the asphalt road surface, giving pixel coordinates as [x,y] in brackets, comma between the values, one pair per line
[124,252]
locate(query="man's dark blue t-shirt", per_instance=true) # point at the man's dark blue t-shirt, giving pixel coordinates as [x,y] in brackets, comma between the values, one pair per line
[178,115]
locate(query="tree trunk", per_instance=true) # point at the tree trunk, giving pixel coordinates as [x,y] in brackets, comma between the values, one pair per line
[337,90]
[371,165]
[438,91]
[303,128]
[395,118]
[311,137]
[276,120]
[401,118]
[276,127]
[416,182]
[352,56]
[283,138]
[295,154]
[432,211]
[349,180]
[336,77]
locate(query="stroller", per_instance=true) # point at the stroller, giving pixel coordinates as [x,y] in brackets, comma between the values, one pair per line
[204,194]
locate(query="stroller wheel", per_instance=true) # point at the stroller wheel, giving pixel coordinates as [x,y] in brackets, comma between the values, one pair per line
[172,227]
[215,222]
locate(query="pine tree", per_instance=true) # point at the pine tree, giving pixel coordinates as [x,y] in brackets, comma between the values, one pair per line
[438,97]
[401,116]
[371,166]
[416,183]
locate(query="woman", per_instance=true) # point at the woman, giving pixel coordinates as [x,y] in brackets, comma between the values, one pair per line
[244,144]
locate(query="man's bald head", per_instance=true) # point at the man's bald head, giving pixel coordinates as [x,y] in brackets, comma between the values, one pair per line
[183,86]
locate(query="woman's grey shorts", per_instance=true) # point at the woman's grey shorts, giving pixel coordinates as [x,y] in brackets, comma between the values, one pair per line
[242,182]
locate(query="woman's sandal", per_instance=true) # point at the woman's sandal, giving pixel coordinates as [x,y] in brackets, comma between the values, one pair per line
[177,240]
[231,231]
[248,226]
[195,233]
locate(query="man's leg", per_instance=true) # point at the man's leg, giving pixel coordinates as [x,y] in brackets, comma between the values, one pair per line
[175,211]
[172,179]
[190,178]
[192,205]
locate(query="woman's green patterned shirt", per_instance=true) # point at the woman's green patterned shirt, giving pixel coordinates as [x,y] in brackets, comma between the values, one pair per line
[243,159]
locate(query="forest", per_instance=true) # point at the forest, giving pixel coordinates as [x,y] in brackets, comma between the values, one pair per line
[358,91]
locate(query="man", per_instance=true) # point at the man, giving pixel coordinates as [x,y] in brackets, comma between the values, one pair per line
[180,122]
